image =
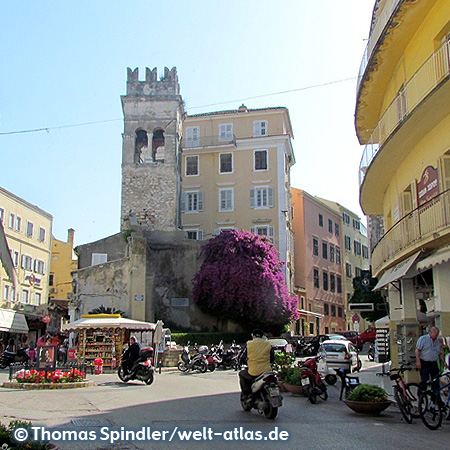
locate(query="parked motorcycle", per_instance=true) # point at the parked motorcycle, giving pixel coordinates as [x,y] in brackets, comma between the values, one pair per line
[141,370]
[265,396]
[312,383]
[228,358]
[12,357]
[197,362]
[371,353]
[210,356]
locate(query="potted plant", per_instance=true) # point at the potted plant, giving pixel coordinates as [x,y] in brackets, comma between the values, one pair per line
[293,382]
[283,366]
[368,399]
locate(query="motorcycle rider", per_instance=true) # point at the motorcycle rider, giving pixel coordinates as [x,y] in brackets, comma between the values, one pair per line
[131,355]
[259,355]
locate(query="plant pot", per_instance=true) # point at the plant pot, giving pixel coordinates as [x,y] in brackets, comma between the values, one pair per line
[373,408]
[294,389]
[281,386]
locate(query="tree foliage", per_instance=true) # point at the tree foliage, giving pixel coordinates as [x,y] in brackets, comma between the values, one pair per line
[241,280]
[102,309]
[380,307]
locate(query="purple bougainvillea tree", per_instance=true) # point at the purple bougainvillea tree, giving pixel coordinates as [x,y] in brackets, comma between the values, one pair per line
[241,280]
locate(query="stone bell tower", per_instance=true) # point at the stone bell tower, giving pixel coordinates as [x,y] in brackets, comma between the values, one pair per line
[153,113]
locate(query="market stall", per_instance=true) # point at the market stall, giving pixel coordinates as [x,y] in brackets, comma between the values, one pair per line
[103,336]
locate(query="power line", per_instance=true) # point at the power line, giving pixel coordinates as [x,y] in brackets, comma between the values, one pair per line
[48,129]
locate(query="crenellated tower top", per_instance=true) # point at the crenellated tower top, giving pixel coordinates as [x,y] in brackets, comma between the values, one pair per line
[167,86]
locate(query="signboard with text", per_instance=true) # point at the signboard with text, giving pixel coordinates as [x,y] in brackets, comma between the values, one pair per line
[428,185]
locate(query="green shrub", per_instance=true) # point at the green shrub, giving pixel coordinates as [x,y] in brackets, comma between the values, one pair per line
[282,364]
[368,393]
[210,338]
[7,437]
[294,377]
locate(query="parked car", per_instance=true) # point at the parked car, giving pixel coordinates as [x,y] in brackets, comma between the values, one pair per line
[339,353]
[369,335]
[279,345]
[353,337]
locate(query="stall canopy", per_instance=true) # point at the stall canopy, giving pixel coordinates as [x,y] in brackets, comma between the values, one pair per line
[437,257]
[396,272]
[12,321]
[107,321]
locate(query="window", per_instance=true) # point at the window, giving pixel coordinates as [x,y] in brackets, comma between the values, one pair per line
[25,296]
[365,251]
[6,292]
[39,266]
[217,231]
[226,132]
[192,202]
[260,159]
[260,128]
[226,199]
[326,309]
[338,255]
[302,302]
[263,231]
[330,226]
[15,258]
[336,229]
[192,136]
[348,270]
[99,258]
[27,262]
[325,281]
[320,220]
[357,247]
[333,310]
[316,279]
[261,197]
[311,328]
[340,312]
[331,252]
[315,247]
[346,218]
[339,284]
[324,250]
[11,220]
[18,223]
[332,282]
[37,299]
[41,234]
[2,213]
[226,163]
[51,279]
[196,235]
[348,243]
[30,227]
[358,272]
[191,166]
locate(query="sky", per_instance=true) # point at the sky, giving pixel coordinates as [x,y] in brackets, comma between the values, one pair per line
[64,68]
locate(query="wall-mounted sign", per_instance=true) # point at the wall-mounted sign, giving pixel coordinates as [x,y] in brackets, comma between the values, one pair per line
[179,301]
[46,318]
[33,280]
[428,185]
[138,298]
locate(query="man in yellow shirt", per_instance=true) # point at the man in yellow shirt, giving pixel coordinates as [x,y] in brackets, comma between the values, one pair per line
[259,355]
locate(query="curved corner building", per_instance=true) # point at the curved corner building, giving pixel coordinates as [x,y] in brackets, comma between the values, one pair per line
[402,118]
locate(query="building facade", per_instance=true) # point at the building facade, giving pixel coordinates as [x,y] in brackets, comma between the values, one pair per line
[318,276]
[403,120]
[236,175]
[28,232]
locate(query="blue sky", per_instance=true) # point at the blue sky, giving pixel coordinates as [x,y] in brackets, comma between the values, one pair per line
[65,63]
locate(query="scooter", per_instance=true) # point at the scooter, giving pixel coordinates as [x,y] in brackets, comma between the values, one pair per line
[312,383]
[265,396]
[9,358]
[371,353]
[186,363]
[228,358]
[141,370]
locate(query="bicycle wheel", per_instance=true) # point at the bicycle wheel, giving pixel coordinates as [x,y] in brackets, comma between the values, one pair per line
[430,412]
[403,404]
[413,393]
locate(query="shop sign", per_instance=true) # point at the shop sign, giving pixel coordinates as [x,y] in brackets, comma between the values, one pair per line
[138,298]
[46,318]
[428,185]
[33,280]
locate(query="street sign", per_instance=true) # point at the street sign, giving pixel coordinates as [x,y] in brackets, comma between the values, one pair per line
[360,307]
[46,318]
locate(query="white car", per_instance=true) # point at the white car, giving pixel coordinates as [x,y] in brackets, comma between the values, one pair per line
[337,353]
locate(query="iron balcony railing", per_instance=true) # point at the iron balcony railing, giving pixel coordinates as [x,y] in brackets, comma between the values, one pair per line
[209,141]
[375,33]
[418,225]
[432,72]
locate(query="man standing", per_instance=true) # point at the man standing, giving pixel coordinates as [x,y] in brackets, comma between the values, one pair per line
[428,351]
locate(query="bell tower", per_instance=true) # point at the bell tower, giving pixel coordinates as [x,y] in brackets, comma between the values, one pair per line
[151,183]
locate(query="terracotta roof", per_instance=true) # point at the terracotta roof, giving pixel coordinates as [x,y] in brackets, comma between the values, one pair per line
[236,111]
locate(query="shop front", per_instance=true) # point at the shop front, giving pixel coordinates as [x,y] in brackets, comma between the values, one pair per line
[13,325]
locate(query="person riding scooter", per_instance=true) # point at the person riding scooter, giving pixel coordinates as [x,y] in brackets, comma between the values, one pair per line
[259,355]
[131,355]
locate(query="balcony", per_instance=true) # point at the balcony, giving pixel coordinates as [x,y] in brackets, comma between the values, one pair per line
[430,76]
[422,226]
[209,141]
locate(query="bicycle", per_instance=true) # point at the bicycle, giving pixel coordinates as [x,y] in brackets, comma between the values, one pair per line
[431,406]
[406,394]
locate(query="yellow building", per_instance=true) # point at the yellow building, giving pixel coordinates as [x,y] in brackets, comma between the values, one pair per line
[236,175]
[403,119]
[28,231]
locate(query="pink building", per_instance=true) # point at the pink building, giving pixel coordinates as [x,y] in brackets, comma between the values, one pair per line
[318,277]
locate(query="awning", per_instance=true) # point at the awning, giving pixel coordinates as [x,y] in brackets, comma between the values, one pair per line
[396,272]
[5,256]
[12,321]
[437,257]
[108,322]
[304,311]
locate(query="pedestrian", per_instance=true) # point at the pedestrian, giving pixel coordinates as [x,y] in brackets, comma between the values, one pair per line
[428,351]
[11,346]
